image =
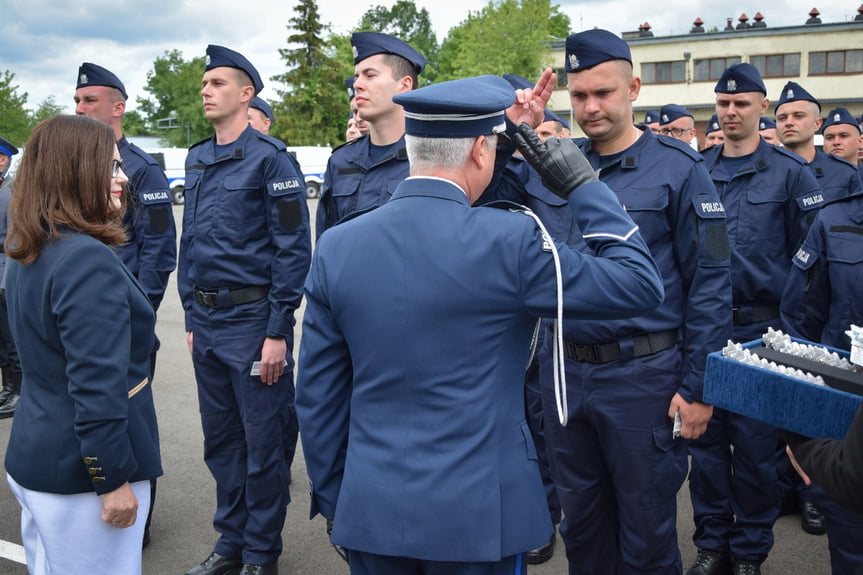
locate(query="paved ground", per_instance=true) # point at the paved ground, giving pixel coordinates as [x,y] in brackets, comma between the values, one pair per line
[182,533]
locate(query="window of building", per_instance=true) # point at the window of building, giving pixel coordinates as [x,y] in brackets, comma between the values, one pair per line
[836,62]
[777,65]
[561,77]
[712,69]
[663,72]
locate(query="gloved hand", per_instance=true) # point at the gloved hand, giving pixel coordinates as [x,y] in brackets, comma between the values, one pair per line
[343,553]
[559,161]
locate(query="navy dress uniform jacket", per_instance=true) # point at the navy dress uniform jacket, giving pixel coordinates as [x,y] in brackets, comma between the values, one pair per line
[84,330]
[415,436]
[151,252]
[352,183]
[823,294]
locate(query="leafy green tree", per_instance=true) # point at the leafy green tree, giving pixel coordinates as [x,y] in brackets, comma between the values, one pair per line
[411,25]
[505,37]
[135,125]
[14,117]
[47,109]
[174,106]
[313,107]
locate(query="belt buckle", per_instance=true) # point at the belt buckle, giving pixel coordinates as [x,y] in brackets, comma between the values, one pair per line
[207,298]
[587,352]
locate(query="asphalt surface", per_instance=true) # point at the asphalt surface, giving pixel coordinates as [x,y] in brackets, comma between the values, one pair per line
[182,532]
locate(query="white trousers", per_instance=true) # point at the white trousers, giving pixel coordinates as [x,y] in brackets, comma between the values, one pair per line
[65,534]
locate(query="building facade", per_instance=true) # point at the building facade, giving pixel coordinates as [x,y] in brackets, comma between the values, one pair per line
[825,58]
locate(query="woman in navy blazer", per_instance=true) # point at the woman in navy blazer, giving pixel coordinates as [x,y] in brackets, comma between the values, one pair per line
[84,443]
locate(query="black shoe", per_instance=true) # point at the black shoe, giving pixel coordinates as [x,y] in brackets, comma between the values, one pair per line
[260,569]
[146,540]
[742,567]
[811,519]
[217,564]
[7,408]
[710,563]
[542,553]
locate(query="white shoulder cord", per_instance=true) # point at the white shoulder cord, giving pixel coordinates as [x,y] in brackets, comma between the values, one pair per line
[558,350]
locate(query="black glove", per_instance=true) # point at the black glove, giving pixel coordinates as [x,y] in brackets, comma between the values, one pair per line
[559,161]
[343,553]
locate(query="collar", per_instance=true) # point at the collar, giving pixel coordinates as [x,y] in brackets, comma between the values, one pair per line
[627,159]
[427,186]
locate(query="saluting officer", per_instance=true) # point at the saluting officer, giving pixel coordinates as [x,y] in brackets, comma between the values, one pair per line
[414,437]
[244,255]
[627,379]
[10,365]
[363,173]
[798,118]
[765,190]
[151,251]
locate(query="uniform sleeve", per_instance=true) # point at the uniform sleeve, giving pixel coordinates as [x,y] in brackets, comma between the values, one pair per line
[802,183]
[620,281]
[704,259]
[324,378]
[288,223]
[90,300]
[154,224]
[323,218]
[805,301]
[835,465]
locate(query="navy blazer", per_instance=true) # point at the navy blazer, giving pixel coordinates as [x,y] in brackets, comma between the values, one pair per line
[410,390]
[84,332]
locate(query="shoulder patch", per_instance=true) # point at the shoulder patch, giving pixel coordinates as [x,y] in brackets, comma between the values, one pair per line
[805,258]
[284,186]
[155,197]
[811,201]
[708,207]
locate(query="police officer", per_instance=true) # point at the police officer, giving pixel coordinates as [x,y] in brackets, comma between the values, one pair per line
[765,190]
[362,173]
[822,298]
[618,464]
[151,252]
[842,136]
[261,115]
[441,476]
[713,133]
[651,120]
[9,363]
[677,122]
[244,255]
[767,129]
[798,118]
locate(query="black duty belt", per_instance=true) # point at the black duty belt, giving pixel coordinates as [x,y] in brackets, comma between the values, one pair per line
[222,298]
[749,314]
[646,344]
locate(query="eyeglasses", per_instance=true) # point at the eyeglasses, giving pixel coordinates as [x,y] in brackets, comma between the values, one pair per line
[676,132]
[116,166]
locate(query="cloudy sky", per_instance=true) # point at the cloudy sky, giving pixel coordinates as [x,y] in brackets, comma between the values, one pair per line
[44,41]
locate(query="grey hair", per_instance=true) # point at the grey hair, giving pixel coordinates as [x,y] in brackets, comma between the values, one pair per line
[425,154]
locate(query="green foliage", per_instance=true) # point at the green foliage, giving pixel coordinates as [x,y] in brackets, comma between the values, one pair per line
[414,27]
[134,124]
[47,109]
[174,108]
[14,118]
[313,107]
[505,37]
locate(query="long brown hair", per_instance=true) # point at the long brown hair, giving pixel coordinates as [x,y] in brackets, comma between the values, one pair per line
[64,179]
